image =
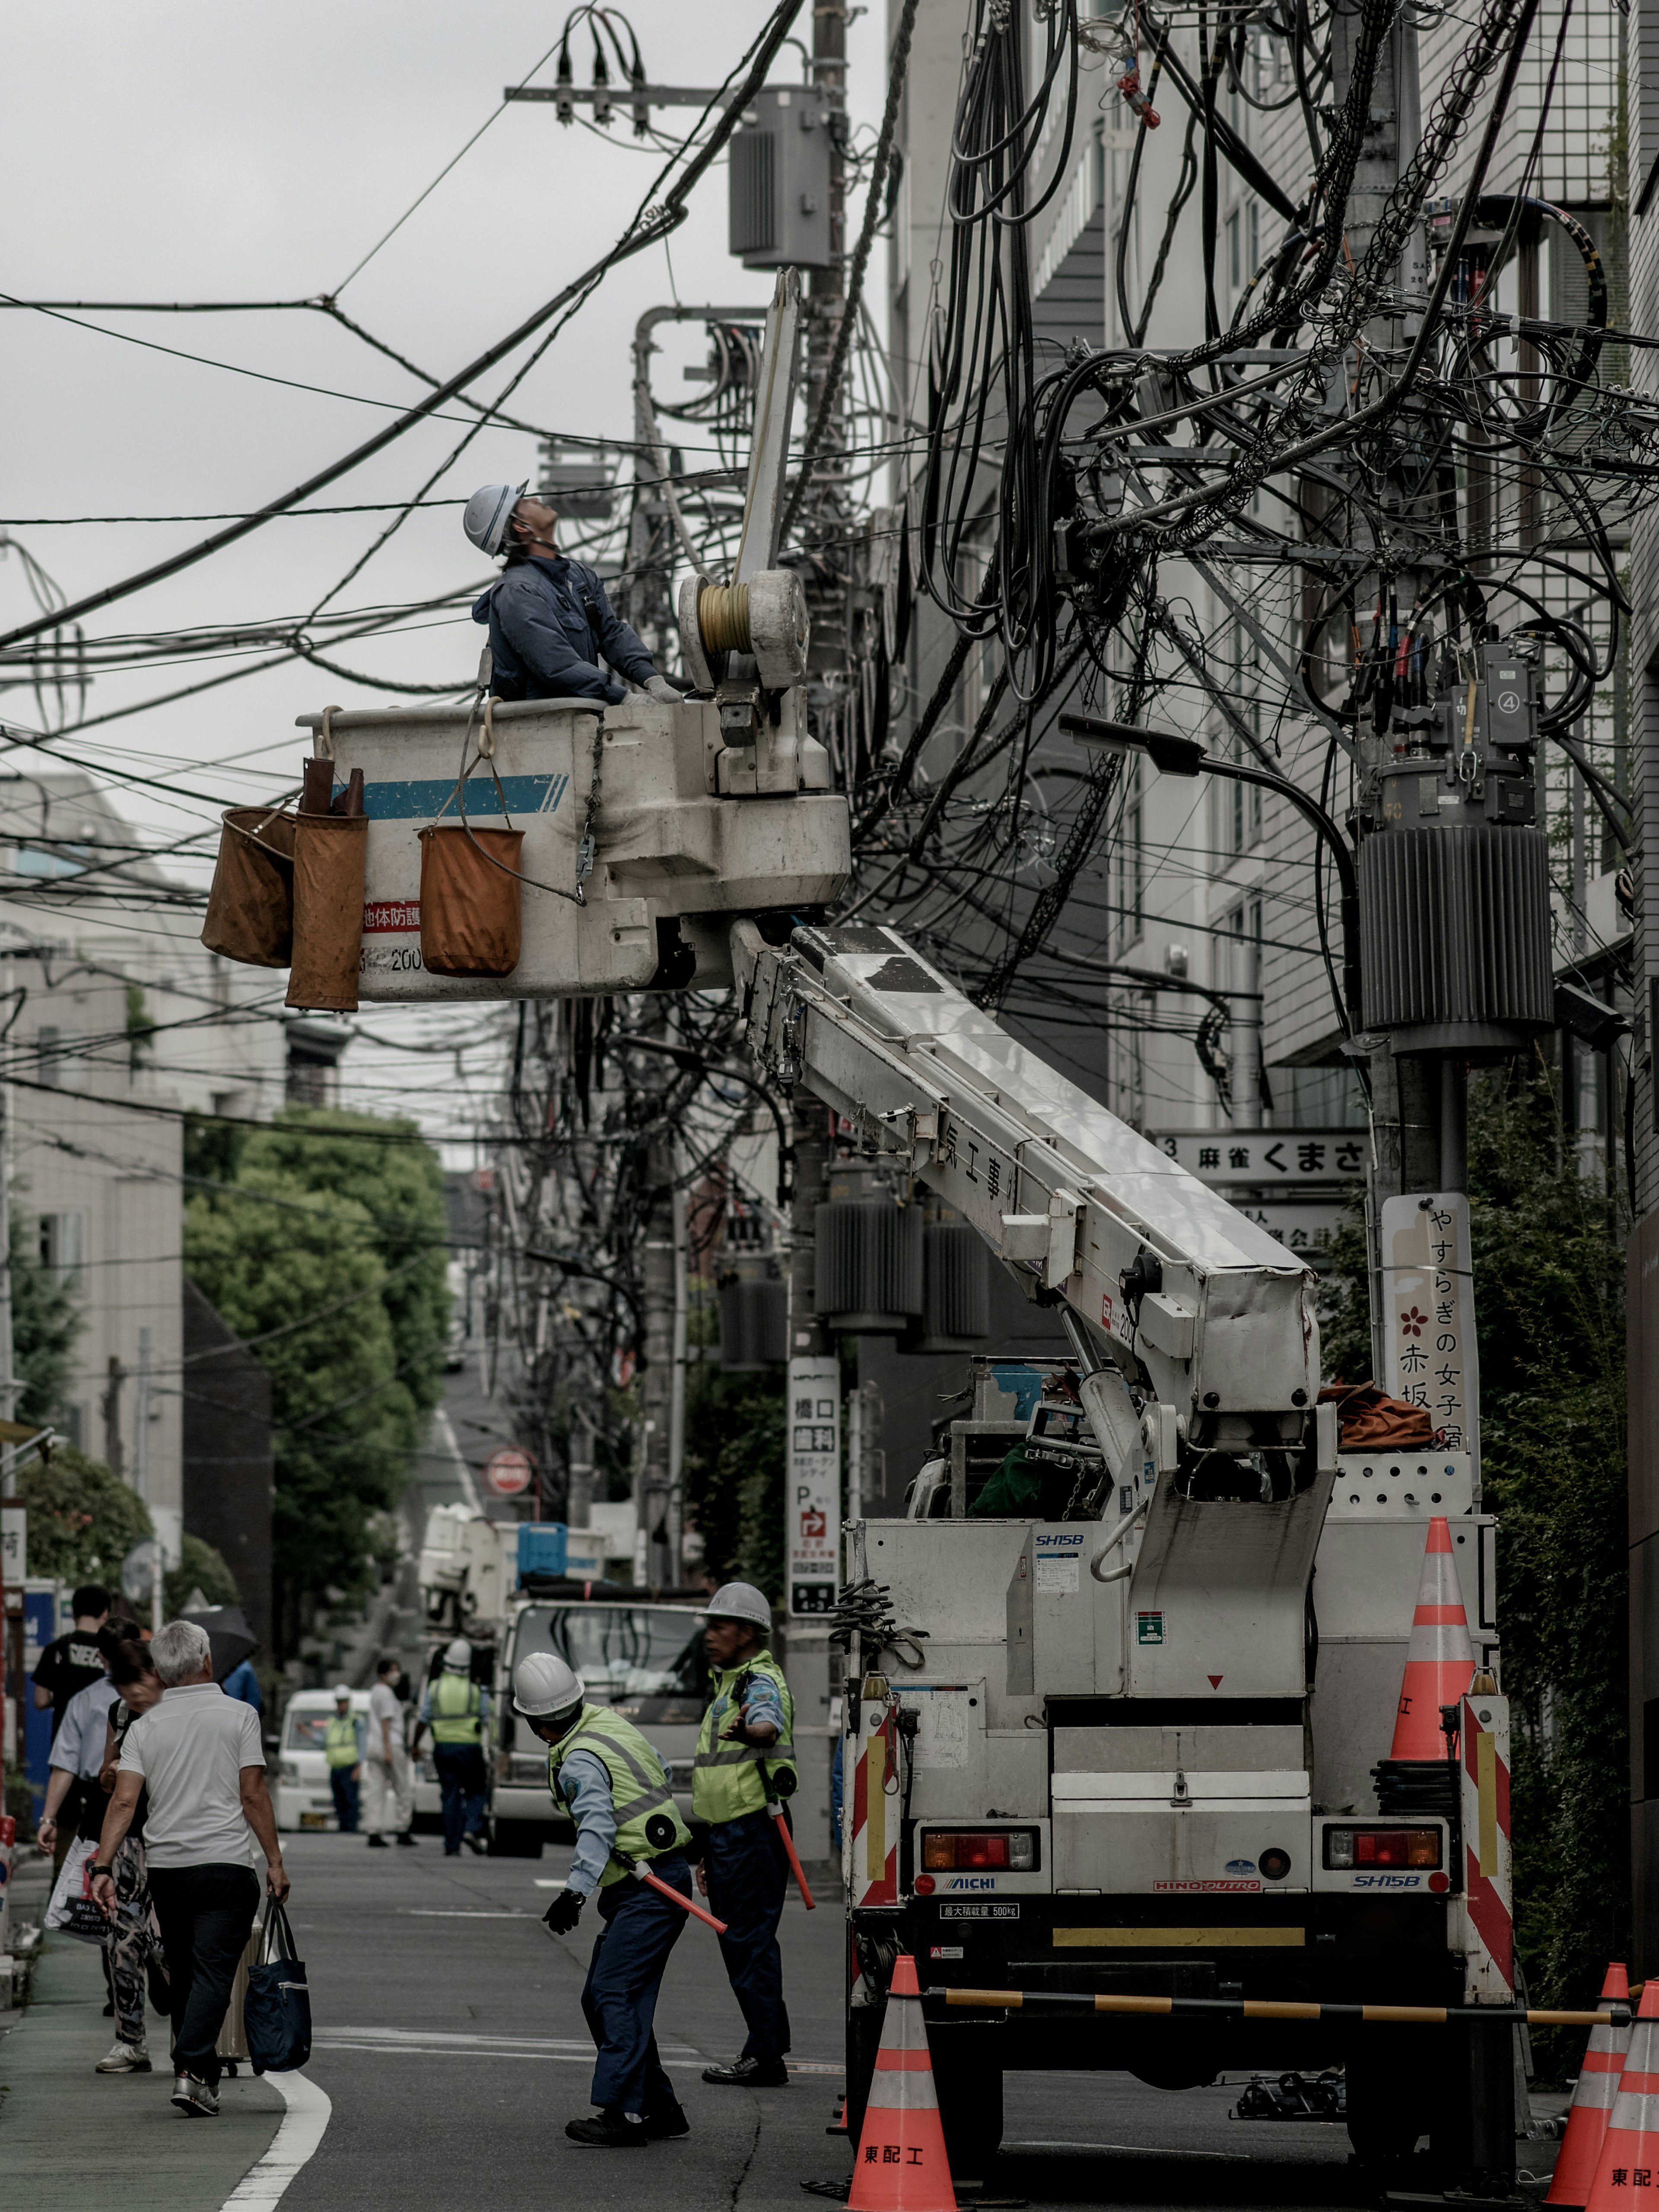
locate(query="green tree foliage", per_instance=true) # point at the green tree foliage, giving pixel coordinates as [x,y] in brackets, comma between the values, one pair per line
[83,1520]
[1549,1279]
[46,1320]
[203,1567]
[734,1475]
[331,1252]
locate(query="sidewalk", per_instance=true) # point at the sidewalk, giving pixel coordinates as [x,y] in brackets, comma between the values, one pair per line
[70,2137]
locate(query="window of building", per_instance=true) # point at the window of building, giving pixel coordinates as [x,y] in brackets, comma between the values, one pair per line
[61,1242]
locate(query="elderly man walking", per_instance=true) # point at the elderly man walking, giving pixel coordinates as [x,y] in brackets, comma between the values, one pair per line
[197,1753]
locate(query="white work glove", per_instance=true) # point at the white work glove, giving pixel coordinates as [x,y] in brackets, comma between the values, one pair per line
[663,691]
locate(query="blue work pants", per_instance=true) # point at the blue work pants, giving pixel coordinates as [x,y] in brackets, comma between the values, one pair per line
[347,1798]
[748,1876]
[619,1998]
[461,1780]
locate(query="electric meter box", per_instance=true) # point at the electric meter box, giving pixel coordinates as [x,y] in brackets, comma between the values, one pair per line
[675,858]
[779,179]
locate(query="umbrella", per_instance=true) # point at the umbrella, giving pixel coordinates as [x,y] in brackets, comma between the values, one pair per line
[228,1635]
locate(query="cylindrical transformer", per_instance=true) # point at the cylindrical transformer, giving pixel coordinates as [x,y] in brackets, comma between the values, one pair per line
[868,1270]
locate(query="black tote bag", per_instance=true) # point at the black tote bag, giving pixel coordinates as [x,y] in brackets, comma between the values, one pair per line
[277,2011]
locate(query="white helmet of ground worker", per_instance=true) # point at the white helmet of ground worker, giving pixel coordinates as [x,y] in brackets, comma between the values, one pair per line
[741,1601]
[488,513]
[341,1691]
[544,1685]
[457,1659]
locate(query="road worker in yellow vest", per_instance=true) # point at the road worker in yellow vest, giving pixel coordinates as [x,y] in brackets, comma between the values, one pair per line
[744,1770]
[457,1711]
[615,1788]
[343,1748]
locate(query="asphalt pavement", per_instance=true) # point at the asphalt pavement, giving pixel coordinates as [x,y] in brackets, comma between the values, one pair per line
[450,2043]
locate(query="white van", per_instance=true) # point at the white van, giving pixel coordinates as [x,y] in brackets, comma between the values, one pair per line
[303,1797]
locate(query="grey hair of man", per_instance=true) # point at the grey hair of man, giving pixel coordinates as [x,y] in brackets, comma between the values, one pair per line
[178,1651]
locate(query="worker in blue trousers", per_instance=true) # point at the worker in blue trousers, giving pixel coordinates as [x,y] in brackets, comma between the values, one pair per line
[606,1774]
[744,1770]
[457,1711]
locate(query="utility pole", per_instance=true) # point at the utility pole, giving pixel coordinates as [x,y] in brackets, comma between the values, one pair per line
[651,1467]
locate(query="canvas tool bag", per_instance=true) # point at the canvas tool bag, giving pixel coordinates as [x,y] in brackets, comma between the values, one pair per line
[329,854]
[250,913]
[470,888]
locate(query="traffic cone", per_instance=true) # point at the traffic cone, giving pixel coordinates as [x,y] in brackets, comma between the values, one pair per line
[1439,1659]
[1592,2100]
[901,2165]
[1630,2149]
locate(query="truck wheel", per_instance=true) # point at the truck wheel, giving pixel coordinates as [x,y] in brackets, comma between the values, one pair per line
[1386,2115]
[968,2081]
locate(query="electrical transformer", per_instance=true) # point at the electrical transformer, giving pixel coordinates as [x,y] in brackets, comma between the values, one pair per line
[779,179]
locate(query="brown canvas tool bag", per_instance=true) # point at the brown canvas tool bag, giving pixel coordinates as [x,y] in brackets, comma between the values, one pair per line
[250,911]
[471,895]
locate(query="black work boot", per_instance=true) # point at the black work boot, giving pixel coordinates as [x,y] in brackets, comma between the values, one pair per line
[662,2126]
[610,2129]
[749,2074]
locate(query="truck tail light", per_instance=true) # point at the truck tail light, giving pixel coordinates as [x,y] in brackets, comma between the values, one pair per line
[1352,1850]
[980,1851]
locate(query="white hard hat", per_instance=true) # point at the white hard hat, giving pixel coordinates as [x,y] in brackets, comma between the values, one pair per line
[741,1601]
[459,1656]
[488,513]
[341,1690]
[543,1684]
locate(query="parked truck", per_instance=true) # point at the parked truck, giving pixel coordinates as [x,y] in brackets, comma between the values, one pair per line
[637,1653]
[1128,1746]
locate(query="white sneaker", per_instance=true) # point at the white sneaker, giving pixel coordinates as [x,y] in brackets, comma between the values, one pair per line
[124,2058]
[194,2098]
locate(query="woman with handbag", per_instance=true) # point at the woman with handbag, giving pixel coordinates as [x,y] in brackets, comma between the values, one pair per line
[133,1943]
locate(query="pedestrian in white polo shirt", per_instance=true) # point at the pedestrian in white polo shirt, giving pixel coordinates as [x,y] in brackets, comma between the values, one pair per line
[198,1752]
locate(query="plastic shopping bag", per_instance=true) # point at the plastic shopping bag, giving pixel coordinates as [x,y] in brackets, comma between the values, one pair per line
[72,1909]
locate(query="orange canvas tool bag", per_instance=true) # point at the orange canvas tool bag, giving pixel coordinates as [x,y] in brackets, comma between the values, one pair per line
[250,911]
[471,900]
[328,851]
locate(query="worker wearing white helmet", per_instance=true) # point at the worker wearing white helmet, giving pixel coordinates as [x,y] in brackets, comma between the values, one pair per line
[343,1748]
[457,1711]
[744,1768]
[549,621]
[615,1788]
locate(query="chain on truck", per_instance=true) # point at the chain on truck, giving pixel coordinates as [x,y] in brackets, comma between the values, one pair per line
[1116,1773]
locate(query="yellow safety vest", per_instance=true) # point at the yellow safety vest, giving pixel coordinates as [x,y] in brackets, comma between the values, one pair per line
[640,1793]
[456,1710]
[340,1740]
[727,1782]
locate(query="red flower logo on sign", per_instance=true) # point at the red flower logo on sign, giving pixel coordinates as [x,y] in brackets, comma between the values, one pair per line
[1412,1323]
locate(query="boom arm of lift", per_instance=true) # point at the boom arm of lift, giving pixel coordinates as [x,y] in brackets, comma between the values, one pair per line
[1161,1284]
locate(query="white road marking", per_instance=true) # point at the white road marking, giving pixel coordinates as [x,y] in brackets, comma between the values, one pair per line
[262,2187]
[455,1913]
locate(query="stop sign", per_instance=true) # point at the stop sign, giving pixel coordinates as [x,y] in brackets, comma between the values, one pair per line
[508,1471]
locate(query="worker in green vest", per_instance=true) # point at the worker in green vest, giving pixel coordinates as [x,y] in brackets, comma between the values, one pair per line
[615,1788]
[457,1711]
[343,1748]
[745,1768]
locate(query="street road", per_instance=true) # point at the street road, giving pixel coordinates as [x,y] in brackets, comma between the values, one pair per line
[451,2042]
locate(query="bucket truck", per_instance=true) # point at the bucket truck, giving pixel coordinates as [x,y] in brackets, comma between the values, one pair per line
[1110,1757]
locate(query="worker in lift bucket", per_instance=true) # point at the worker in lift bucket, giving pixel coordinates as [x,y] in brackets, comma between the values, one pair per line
[549,620]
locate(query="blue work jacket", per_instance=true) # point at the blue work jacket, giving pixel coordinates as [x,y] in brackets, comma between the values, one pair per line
[549,623]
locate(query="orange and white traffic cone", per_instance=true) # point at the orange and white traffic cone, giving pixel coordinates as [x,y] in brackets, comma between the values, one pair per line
[1629,2162]
[1439,1659]
[901,2165]
[1592,2100]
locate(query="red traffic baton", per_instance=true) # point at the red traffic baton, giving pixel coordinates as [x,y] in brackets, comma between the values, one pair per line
[788,1842]
[644,1873]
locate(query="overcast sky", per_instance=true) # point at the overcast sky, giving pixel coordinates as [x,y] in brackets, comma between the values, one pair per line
[180,150]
